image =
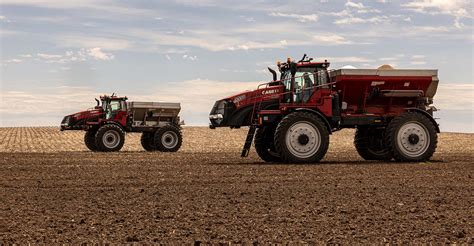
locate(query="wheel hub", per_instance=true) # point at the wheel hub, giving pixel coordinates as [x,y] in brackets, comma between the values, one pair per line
[413,139]
[169,139]
[303,139]
[111,139]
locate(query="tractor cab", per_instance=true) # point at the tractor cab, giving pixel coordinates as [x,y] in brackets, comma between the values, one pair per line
[112,105]
[301,79]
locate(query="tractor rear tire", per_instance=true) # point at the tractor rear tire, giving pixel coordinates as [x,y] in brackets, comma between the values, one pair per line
[148,142]
[110,138]
[168,138]
[89,139]
[264,144]
[370,143]
[301,137]
[411,137]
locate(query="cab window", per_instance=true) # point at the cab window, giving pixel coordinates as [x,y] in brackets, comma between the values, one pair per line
[115,105]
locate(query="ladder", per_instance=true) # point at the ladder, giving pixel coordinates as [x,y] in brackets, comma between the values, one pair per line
[252,128]
[248,140]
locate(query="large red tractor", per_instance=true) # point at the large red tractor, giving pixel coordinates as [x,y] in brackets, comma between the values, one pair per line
[107,122]
[292,117]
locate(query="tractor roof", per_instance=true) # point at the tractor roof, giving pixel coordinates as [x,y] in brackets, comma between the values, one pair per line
[113,97]
[313,64]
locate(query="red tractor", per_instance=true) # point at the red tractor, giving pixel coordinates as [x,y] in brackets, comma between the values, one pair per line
[292,118]
[107,122]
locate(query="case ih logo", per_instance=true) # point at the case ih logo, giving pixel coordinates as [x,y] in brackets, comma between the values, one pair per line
[272,91]
[239,99]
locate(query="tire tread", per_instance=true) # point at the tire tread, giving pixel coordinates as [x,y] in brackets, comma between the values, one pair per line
[400,120]
[281,132]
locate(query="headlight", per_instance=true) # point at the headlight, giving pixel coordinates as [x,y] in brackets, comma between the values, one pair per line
[65,121]
[216,116]
[217,113]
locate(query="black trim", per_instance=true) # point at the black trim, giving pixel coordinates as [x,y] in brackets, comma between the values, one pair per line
[323,118]
[427,115]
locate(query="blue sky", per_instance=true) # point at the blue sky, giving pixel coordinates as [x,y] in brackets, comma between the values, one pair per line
[56,56]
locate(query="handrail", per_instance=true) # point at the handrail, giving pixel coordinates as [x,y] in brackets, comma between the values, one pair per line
[309,73]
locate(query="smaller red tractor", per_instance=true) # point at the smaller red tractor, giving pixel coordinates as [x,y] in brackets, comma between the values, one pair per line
[107,123]
[292,117]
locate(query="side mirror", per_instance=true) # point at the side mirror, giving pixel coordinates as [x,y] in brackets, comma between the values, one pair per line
[293,68]
[273,73]
[98,103]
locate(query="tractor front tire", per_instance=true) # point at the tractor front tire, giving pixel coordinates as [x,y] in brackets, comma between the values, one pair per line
[148,142]
[370,143]
[168,138]
[411,137]
[264,144]
[89,139]
[110,138]
[301,137]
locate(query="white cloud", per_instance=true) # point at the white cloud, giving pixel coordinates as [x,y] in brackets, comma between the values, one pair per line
[76,56]
[330,39]
[107,6]
[98,54]
[248,19]
[388,59]
[298,17]
[354,5]
[190,58]
[457,8]
[418,62]
[213,40]
[451,7]
[88,41]
[13,60]
[452,96]
[48,56]
[357,20]
[349,59]
[254,37]
[4,19]
[418,56]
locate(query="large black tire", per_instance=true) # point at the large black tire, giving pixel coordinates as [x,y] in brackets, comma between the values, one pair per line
[109,138]
[264,144]
[148,141]
[370,143]
[411,137]
[301,137]
[168,138]
[89,139]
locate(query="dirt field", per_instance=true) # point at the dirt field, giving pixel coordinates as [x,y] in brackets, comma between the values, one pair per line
[53,190]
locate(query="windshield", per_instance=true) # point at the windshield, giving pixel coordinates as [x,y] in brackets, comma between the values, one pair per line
[305,77]
[110,106]
[306,81]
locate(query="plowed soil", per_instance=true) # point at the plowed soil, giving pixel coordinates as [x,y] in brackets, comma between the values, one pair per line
[52,190]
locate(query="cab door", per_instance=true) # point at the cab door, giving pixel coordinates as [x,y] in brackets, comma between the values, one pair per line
[310,89]
[117,111]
